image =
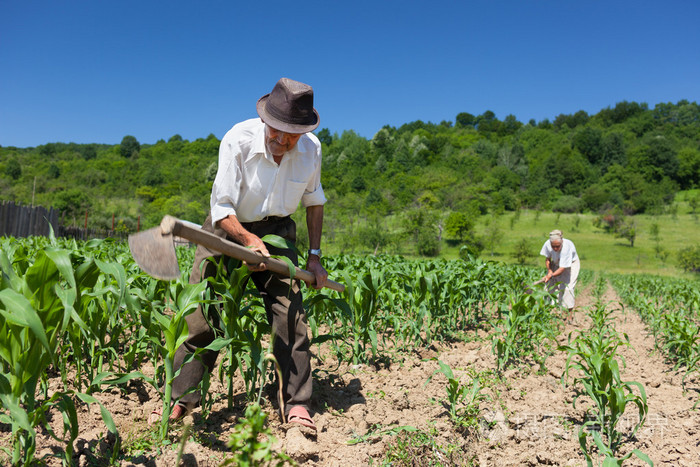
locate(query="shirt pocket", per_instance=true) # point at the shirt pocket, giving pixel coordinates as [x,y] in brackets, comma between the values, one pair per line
[293,191]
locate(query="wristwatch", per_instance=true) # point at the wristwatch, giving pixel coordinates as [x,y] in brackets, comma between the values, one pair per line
[315,251]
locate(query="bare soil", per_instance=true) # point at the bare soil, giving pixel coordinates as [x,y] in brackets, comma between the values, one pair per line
[526,419]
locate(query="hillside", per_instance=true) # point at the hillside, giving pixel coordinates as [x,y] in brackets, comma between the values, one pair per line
[420,189]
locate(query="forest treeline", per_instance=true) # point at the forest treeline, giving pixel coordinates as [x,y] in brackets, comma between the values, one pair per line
[438,177]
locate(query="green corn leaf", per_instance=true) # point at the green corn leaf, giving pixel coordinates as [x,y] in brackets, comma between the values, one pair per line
[279,242]
[87,274]
[219,343]
[17,415]
[325,338]
[70,416]
[39,280]
[190,296]
[8,273]
[642,457]
[117,271]
[106,416]
[61,258]
[611,462]
[117,378]
[22,313]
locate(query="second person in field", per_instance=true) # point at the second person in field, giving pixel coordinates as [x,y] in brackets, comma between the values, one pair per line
[562,265]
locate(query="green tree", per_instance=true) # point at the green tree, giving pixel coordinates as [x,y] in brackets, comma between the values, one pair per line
[510,125]
[458,225]
[54,171]
[571,121]
[88,151]
[612,147]
[689,258]
[422,227]
[487,123]
[588,142]
[465,119]
[72,202]
[13,169]
[628,231]
[374,235]
[129,146]
[689,167]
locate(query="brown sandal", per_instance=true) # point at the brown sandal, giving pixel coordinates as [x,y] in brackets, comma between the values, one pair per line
[300,415]
[178,413]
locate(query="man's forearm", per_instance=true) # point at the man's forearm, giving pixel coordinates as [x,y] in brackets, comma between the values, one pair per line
[235,230]
[240,235]
[314,224]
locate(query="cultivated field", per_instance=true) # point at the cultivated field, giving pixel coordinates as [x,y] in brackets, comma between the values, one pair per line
[418,363]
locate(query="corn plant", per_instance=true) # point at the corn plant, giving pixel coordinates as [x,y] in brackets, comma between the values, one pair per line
[462,399]
[37,304]
[241,317]
[681,337]
[669,308]
[362,295]
[166,334]
[527,330]
[594,355]
[323,308]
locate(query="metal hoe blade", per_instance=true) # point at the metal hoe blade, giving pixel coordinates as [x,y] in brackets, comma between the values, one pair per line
[154,252]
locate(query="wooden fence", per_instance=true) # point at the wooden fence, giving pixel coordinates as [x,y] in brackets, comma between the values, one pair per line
[25,221]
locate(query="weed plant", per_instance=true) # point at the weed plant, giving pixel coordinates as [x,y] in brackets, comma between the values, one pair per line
[418,448]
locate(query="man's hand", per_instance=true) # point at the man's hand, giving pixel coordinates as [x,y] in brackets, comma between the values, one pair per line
[313,265]
[241,236]
[254,242]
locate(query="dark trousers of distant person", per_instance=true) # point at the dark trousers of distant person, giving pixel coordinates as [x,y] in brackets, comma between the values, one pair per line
[285,314]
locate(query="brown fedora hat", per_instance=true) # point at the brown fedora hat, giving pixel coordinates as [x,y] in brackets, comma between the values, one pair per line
[289,107]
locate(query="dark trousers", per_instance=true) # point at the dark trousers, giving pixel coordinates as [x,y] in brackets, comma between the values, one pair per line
[285,314]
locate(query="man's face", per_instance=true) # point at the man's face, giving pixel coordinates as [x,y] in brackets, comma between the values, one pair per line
[556,244]
[278,142]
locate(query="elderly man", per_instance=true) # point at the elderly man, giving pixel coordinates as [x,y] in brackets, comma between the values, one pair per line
[562,265]
[267,166]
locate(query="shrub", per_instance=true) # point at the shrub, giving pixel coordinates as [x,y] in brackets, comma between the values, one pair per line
[428,243]
[689,258]
[523,251]
[568,204]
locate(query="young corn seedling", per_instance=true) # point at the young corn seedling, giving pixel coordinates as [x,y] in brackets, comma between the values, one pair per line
[593,355]
[527,329]
[462,399]
[362,295]
[166,334]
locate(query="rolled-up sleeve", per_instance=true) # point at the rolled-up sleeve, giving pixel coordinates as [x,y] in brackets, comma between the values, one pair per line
[314,198]
[225,192]
[313,195]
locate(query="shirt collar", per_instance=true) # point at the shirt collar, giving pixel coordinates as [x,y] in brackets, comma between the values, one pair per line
[258,146]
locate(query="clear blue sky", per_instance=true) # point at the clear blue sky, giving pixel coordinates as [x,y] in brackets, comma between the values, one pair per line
[95,71]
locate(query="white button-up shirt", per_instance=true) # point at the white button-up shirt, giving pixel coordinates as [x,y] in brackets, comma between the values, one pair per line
[251,186]
[562,258]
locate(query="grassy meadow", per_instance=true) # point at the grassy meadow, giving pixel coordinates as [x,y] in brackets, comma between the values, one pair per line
[599,251]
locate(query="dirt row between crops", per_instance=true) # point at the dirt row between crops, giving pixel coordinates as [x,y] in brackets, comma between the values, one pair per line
[527,419]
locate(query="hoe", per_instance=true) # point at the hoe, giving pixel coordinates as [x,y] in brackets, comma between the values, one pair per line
[154,251]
